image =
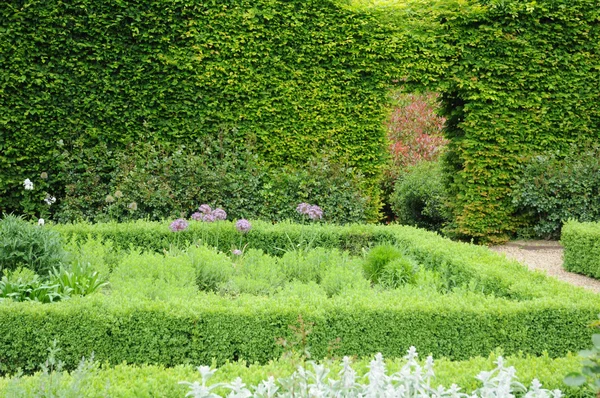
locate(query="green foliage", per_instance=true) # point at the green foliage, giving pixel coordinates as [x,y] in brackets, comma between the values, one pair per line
[154,276]
[212,269]
[419,198]
[23,244]
[398,272]
[146,381]
[156,182]
[340,278]
[286,78]
[256,273]
[77,279]
[525,79]
[155,312]
[558,186]
[581,242]
[23,284]
[377,259]
[590,372]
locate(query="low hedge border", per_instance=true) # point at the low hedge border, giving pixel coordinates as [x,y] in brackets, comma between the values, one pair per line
[151,381]
[532,314]
[581,242]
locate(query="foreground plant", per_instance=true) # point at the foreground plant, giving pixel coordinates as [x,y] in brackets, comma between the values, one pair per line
[590,371]
[413,380]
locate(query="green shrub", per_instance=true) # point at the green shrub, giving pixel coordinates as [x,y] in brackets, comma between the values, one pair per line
[212,269]
[155,314]
[154,182]
[77,279]
[511,98]
[338,278]
[419,197]
[256,273]
[25,245]
[191,86]
[558,186]
[377,259]
[23,284]
[101,256]
[398,272]
[154,276]
[581,242]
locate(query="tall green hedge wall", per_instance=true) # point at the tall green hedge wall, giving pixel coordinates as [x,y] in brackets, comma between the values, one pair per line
[293,78]
[290,78]
[526,79]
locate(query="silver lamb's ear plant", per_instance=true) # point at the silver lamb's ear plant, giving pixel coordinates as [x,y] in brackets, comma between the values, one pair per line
[198,390]
[411,381]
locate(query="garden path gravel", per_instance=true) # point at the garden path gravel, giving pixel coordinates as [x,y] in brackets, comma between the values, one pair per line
[545,256]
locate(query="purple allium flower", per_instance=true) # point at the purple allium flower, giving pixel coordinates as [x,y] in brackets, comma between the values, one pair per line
[210,217]
[197,216]
[315,212]
[237,252]
[205,209]
[243,225]
[219,214]
[303,208]
[179,225]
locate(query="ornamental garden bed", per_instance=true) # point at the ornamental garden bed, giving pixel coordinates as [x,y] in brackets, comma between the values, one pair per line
[186,298]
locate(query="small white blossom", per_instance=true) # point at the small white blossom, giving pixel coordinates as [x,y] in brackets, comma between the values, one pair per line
[28,184]
[41,222]
[50,200]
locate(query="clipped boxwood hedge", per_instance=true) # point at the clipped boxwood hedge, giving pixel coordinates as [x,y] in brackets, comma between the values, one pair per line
[581,242]
[501,304]
[152,381]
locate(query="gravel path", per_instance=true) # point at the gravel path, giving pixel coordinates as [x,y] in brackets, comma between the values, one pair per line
[545,256]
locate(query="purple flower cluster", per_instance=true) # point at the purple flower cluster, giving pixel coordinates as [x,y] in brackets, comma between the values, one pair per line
[314,212]
[243,225]
[206,214]
[236,252]
[179,225]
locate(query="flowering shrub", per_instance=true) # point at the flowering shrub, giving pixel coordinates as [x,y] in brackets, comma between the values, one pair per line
[414,131]
[413,380]
[179,225]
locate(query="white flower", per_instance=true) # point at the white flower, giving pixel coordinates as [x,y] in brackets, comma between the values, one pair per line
[28,184]
[50,200]
[41,221]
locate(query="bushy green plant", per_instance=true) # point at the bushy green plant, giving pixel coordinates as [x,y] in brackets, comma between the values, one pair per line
[77,279]
[23,244]
[557,186]
[590,372]
[581,243]
[256,273]
[419,197]
[376,260]
[309,265]
[24,285]
[399,271]
[154,276]
[338,278]
[153,181]
[212,269]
